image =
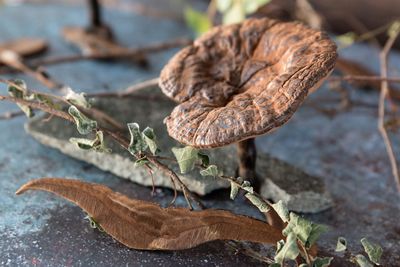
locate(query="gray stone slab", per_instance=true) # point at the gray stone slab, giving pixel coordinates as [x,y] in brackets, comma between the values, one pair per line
[149,107]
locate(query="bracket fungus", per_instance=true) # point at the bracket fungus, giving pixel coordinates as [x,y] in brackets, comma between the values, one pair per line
[243,80]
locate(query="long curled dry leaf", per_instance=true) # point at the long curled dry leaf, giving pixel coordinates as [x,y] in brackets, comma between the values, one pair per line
[144,225]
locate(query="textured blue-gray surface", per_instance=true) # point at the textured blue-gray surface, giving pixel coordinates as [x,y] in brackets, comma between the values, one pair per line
[40,229]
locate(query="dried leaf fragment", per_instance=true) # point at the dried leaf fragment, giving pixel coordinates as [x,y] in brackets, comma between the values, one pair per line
[144,225]
[25,46]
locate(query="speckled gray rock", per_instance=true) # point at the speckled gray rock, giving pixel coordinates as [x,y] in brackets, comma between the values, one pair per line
[299,190]
[148,107]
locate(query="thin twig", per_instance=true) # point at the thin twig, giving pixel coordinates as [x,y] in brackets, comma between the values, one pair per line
[381,119]
[152,48]
[364,78]
[14,61]
[139,86]
[11,114]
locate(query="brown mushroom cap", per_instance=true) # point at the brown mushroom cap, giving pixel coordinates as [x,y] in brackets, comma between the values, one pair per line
[243,80]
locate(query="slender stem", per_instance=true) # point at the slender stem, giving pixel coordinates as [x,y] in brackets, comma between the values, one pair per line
[381,119]
[126,53]
[247,155]
[364,78]
[95,13]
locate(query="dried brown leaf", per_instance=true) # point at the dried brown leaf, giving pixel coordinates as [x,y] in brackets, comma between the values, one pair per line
[144,225]
[25,46]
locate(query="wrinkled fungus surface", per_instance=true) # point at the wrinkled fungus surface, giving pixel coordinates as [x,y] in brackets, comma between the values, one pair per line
[243,80]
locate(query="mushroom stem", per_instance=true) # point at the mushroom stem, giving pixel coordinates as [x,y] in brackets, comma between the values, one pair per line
[97,26]
[95,13]
[247,154]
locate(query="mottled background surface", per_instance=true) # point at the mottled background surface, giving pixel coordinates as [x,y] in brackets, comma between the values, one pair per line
[39,229]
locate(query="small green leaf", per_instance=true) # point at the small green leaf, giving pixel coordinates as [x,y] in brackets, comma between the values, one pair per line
[20,91]
[394,29]
[137,144]
[306,231]
[282,210]
[204,158]
[316,231]
[83,143]
[289,249]
[83,124]
[341,244]
[141,162]
[373,250]
[258,202]
[234,14]
[299,226]
[251,6]
[362,261]
[212,170]
[44,99]
[78,99]
[234,190]
[150,139]
[247,187]
[347,39]
[96,144]
[94,224]
[274,265]
[186,158]
[223,5]
[322,262]
[197,21]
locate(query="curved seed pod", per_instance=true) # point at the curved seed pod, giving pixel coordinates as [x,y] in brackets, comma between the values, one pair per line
[144,225]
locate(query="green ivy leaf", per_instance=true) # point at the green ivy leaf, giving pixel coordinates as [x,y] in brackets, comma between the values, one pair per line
[234,14]
[274,265]
[322,262]
[93,223]
[347,39]
[341,244]
[137,144]
[247,187]
[394,29]
[224,5]
[44,99]
[186,157]
[78,99]
[282,210]
[83,123]
[251,6]
[287,250]
[306,231]
[150,139]
[234,190]
[141,162]
[20,91]
[258,202]
[212,170]
[96,144]
[197,21]
[373,250]
[362,261]
[317,230]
